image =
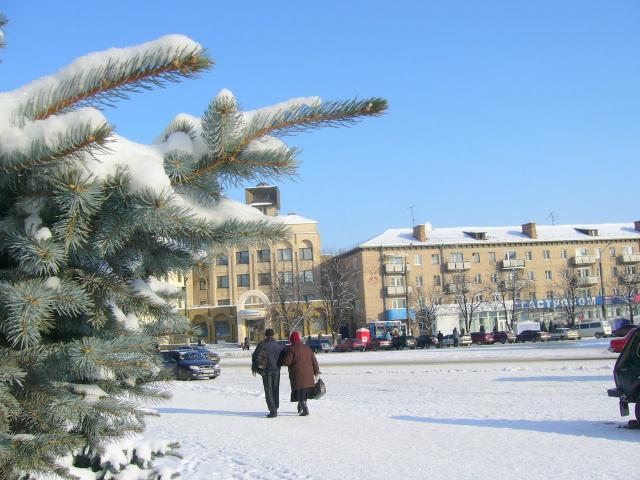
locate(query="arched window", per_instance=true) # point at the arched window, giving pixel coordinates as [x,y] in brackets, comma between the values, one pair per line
[203,284]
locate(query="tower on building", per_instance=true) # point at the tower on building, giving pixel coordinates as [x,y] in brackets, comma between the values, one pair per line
[265,198]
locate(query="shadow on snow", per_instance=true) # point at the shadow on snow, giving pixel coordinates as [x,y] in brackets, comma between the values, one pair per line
[195,411]
[567,378]
[578,428]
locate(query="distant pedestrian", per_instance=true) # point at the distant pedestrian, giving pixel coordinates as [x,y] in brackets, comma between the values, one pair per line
[245,344]
[388,335]
[265,361]
[308,338]
[440,338]
[455,337]
[303,371]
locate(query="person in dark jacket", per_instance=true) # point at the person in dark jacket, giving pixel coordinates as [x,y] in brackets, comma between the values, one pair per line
[303,368]
[440,338]
[271,374]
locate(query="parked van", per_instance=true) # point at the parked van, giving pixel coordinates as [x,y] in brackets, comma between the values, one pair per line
[597,329]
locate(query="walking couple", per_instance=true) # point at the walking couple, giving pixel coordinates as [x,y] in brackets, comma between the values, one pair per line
[267,359]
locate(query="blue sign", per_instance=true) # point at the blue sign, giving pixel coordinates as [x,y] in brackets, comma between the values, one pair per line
[564,302]
[400,314]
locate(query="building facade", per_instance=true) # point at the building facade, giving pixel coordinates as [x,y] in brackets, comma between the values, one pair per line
[246,290]
[547,269]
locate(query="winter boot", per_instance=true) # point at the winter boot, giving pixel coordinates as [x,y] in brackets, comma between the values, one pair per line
[305,410]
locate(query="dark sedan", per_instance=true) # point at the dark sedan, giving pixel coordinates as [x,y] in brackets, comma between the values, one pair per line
[189,364]
[379,344]
[404,341]
[532,336]
[504,336]
[482,338]
[426,341]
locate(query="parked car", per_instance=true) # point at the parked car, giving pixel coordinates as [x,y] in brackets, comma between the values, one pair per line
[404,341]
[626,374]
[482,338]
[504,336]
[284,343]
[463,340]
[319,345]
[426,341]
[379,344]
[617,344]
[188,364]
[349,345]
[623,330]
[563,333]
[532,336]
[597,329]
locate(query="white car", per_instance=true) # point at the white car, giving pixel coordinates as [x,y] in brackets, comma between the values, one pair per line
[463,341]
[564,334]
[596,329]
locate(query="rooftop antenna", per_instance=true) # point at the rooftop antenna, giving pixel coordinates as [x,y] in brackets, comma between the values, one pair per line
[413,220]
[552,216]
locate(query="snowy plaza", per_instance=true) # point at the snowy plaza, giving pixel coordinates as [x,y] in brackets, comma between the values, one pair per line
[502,411]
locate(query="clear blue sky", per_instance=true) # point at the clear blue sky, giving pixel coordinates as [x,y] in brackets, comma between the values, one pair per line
[500,111]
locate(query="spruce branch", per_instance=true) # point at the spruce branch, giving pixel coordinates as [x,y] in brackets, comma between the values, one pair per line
[3,22]
[102,86]
[84,139]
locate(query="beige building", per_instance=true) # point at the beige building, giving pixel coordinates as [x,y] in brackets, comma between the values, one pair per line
[248,289]
[394,266]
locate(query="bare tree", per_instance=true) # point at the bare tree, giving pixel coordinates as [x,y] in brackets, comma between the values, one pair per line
[628,288]
[336,292]
[569,289]
[289,308]
[468,297]
[426,304]
[508,291]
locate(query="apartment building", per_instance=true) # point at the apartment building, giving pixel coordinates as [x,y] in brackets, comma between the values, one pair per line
[395,265]
[236,296]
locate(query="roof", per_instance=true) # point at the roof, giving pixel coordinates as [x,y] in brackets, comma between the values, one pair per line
[293,219]
[545,233]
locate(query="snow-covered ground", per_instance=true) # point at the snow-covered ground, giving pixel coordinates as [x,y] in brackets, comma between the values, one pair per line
[525,411]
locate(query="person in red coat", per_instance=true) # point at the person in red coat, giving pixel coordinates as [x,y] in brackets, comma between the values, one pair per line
[303,370]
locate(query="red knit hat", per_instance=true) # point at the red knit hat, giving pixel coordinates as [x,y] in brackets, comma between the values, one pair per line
[295,337]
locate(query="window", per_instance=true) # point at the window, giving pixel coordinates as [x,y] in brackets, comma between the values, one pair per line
[598,252]
[494,278]
[306,253]
[457,257]
[419,281]
[308,298]
[306,276]
[510,255]
[203,283]
[223,281]
[630,270]
[546,254]
[243,280]
[264,278]
[563,253]
[478,278]
[614,271]
[476,257]
[395,281]
[547,275]
[224,302]
[285,278]
[395,260]
[612,251]
[284,254]
[583,272]
[435,259]
[495,297]
[627,250]
[492,257]
[203,302]
[418,260]
[529,255]
[437,280]
[582,252]
[398,303]
[478,297]
[222,260]
[263,255]
[531,275]
[242,257]
[550,294]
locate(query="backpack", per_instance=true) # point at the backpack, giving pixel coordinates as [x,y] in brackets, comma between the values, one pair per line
[260,360]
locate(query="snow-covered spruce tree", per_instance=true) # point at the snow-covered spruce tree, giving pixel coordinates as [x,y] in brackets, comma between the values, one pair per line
[90,220]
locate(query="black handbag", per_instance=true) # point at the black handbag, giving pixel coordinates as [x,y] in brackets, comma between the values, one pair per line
[319,389]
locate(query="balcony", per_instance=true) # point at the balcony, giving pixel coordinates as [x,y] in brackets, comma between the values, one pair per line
[456,287]
[629,258]
[515,284]
[588,281]
[394,268]
[400,290]
[458,266]
[512,263]
[580,260]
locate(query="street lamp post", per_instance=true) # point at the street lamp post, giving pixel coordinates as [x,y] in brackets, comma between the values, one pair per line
[602,305]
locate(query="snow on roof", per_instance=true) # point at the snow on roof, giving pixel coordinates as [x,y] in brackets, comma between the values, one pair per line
[545,233]
[293,219]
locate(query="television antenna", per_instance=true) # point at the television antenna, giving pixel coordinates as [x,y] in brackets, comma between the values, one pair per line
[552,216]
[413,220]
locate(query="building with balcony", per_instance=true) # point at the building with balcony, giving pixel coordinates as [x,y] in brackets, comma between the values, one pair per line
[532,260]
[236,296]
